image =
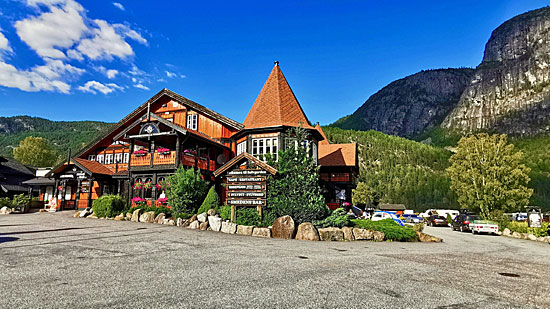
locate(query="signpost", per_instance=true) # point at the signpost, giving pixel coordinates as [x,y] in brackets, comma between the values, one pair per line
[246,187]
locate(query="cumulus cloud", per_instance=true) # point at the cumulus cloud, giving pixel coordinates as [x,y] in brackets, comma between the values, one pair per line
[4,44]
[92,86]
[105,43]
[170,74]
[119,6]
[141,86]
[110,73]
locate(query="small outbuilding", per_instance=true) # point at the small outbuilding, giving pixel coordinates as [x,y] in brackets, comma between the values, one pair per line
[397,208]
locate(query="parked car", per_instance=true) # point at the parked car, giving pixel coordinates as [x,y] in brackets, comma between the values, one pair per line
[381,215]
[462,222]
[437,220]
[412,219]
[519,216]
[483,226]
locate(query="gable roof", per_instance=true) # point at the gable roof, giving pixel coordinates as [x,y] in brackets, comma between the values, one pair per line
[87,166]
[325,140]
[244,156]
[338,154]
[276,105]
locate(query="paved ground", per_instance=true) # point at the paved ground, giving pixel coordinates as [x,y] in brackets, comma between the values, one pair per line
[56,261]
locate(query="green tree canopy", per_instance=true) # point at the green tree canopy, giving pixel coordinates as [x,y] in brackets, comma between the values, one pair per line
[364,195]
[35,151]
[488,175]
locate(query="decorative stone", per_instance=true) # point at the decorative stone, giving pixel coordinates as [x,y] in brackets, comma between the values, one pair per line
[179,222]
[215,223]
[261,232]
[135,215]
[423,237]
[378,236]
[202,217]
[128,216]
[541,239]
[85,213]
[283,227]
[331,234]
[506,232]
[348,233]
[211,212]
[165,221]
[119,217]
[203,226]
[532,237]
[160,218]
[362,234]
[244,230]
[147,217]
[171,222]
[195,225]
[92,216]
[193,218]
[186,223]
[76,214]
[229,227]
[306,231]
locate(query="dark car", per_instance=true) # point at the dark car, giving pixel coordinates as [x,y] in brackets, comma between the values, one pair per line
[462,222]
[436,220]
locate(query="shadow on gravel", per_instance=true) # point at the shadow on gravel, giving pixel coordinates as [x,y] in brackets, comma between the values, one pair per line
[5,225]
[45,231]
[7,239]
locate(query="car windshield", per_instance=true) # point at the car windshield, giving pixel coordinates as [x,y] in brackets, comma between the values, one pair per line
[440,217]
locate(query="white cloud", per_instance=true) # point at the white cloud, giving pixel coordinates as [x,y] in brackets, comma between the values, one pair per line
[55,69]
[111,73]
[183,76]
[141,86]
[50,32]
[4,44]
[129,33]
[105,43]
[119,6]
[92,86]
[170,74]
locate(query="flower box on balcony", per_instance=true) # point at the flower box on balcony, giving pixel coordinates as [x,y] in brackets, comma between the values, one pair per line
[163,151]
[139,153]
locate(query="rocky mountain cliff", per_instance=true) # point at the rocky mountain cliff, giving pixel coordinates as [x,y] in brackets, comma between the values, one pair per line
[510,90]
[409,106]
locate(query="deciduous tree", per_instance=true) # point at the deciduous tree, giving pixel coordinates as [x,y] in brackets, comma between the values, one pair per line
[35,151]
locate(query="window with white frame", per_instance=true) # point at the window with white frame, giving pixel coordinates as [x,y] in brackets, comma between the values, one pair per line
[241,147]
[100,158]
[109,158]
[91,157]
[192,121]
[118,157]
[263,146]
[126,157]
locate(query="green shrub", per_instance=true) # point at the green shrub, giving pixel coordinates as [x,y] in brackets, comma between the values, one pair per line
[184,216]
[144,208]
[522,227]
[449,219]
[225,212]
[247,216]
[390,228]
[338,218]
[185,190]
[108,206]
[5,201]
[268,217]
[21,201]
[211,201]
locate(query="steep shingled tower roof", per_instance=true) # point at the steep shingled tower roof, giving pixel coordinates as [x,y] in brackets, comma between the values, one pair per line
[276,105]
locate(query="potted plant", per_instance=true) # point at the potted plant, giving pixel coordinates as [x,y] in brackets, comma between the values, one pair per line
[163,151]
[148,185]
[138,185]
[139,153]
[139,202]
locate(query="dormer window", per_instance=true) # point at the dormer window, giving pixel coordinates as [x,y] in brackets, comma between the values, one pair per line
[192,121]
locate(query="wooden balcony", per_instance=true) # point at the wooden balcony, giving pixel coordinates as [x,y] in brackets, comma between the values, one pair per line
[336,177]
[164,159]
[170,159]
[140,159]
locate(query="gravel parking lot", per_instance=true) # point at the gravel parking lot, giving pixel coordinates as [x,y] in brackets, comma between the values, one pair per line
[56,261]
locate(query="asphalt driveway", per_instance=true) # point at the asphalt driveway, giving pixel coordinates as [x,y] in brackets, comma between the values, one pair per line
[56,261]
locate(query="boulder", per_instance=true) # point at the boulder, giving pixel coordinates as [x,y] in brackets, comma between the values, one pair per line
[85,213]
[179,222]
[203,226]
[195,225]
[331,234]
[128,216]
[541,239]
[378,236]
[160,218]
[135,215]
[506,232]
[306,231]
[147,217]
[531,237]
[92,216]
[423,237]
[229,227]
[261,232]
[120,217]
[186,223]
[283,227]
[202,217]
[362,234]
[76,214]
[517,235]
[211,212]
[171,222]
[193,218]
[348,233]
[215,223]
[244,230]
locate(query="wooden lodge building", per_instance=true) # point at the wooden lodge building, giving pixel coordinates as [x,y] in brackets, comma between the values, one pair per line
[169,131]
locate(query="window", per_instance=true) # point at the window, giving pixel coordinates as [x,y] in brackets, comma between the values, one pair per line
[91,157]
[109,158]
[118,158]
[100,158]
[148,192]
[241,147]
[263,146]
[192,121]
[126,157]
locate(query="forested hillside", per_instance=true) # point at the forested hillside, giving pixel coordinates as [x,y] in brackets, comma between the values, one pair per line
[61,135]
[401,170]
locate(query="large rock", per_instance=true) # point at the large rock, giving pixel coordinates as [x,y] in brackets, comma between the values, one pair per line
[362,234]
[506,232]
[261,232]
[179,222]
[120,217]
[171,222]
[5,210]
[202,217]
[244,230]
[517,235]
[211,212]
[160,218]
[76,214]
[283,227]
[423,237]
[203,226]
[532,237]
[195,225]
[128,216]
[348,233]
[135,215]
[147,217]
[378,236]
[215,223]
[186,223]
[193,218]
[229,227]
[331,234]
[306,231]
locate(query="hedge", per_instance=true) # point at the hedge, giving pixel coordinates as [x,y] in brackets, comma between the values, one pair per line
[108,206]
[390,228]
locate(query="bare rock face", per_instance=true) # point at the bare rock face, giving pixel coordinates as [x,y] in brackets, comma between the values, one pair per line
[510,90]
[306,231]
[331,234]
[283,227]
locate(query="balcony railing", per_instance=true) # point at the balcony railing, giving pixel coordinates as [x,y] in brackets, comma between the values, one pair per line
[170,158]
[141,159]
[163,159]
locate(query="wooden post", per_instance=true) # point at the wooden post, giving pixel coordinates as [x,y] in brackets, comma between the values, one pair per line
[77,198]
[90,188]
[178,150]
[233,211]
[152,151]
[260,211]
[130,150]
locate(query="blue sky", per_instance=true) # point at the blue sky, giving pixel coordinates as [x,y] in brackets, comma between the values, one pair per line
[98,60]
